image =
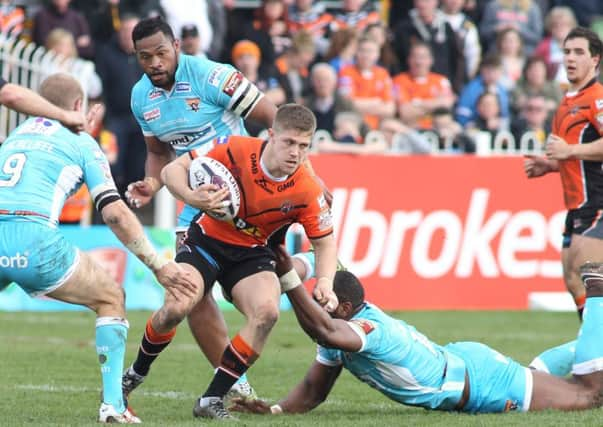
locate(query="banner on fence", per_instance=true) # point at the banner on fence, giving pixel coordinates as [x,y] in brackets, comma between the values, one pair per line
[446,232]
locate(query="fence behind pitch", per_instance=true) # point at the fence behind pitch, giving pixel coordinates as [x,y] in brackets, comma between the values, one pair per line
[27,64]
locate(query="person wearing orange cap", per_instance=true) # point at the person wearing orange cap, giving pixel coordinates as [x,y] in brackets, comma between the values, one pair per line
[246,56]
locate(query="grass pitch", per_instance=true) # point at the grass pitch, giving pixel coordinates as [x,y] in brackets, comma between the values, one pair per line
[49,374]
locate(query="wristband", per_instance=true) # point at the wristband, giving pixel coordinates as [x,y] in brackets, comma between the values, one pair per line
[289,281]
[276,409]
[143,249]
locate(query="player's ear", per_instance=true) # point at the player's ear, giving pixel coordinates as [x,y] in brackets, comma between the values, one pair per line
[176,45]
[78,104]
[270,133]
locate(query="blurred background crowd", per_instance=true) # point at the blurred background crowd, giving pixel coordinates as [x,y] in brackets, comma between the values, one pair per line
[382,76]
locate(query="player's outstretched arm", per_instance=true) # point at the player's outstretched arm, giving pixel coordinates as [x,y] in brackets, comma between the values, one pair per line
[158,155]
[129,231]
[537,166]
[28,102]
[307,395]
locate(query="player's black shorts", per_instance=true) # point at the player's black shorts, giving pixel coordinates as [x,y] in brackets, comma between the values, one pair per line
[220,261]
[585,222]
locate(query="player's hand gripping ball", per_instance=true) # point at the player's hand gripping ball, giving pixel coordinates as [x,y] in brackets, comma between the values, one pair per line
[205,170]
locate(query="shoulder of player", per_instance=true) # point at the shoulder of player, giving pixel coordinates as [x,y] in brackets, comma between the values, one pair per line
[141,89]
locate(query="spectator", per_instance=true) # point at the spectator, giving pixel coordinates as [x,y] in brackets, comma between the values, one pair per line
[293,67]
[466,34]
[487,81]
[524,16]
[488,117]
[190,40]
[219,26]
[451,134]
[510,50]
[387,58]
[324,100]
[119,71]
[343,47]
[179,13]
[558,23]
[428,24]
[584,10]
[246,57]
[356,14]
[404,139]
[269,30]
[535,83]
[103,16]
[419,91]
[368,85]
[58,14]
[12,18]
[61,42]
[348,137]
[532,118]
[310,16]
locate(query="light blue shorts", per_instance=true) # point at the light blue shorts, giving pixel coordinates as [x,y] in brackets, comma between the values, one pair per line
[35,256]
[184,219]
[497,383]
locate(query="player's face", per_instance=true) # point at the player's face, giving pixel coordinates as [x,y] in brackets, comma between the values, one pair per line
[579,64]
[290,150]
[158,57]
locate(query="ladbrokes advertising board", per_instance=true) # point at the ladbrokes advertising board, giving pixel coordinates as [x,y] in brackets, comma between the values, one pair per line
[446,232]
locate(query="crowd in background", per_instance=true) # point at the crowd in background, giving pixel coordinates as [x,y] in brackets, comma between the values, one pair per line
[450,68]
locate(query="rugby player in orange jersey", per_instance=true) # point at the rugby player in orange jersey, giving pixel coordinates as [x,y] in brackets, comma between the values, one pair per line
[575,150]
[277,189]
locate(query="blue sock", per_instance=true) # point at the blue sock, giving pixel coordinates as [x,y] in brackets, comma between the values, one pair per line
[111,336]
[242,379]
[556,361]
[589,349]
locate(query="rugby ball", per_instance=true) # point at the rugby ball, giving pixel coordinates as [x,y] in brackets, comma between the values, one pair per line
[205,170]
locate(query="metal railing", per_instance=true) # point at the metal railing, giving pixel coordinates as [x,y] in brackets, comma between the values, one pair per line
[28,64]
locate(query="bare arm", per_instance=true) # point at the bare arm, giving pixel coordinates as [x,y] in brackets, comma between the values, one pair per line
[158,156]
[312,390]
[28,102]
[325,251]
[263,113]
[558,149]
[374,106]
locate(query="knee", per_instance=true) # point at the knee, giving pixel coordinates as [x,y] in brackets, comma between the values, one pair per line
[265,317]
[111,298]
[172,313]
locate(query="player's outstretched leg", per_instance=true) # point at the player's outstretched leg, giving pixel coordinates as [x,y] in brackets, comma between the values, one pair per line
[556,361]
[91,286]
[211,333]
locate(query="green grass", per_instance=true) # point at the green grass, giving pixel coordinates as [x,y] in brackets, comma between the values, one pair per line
[49,374]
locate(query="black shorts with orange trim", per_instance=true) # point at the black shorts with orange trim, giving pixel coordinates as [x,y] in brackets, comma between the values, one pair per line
[584,222]
[226,263]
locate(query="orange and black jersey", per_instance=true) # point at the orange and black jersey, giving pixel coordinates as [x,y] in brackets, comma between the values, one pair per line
[579,120]
[267,203]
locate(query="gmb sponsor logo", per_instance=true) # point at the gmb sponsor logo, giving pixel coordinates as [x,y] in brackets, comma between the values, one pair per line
[15,261]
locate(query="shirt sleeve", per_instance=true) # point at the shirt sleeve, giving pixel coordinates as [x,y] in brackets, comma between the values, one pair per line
[369,333]
[596,115]
[316,218]
[328,356]
[97,173]
[228,88]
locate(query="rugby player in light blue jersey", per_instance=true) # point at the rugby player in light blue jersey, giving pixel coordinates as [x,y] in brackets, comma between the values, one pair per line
[400,362]
[184,103]
[41,164]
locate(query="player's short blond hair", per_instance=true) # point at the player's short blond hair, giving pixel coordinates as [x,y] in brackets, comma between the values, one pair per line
[295,117]
[62,90]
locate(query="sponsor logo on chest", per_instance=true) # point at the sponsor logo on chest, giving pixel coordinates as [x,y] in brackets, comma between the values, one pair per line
[151,115]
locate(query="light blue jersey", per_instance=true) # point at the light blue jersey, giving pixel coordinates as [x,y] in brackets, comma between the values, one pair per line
[407,367]
[41,164]
[208,100]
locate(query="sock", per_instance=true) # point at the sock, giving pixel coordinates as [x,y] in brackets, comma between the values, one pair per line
[556,361]
[111,336]
[151,345]
[580,301]
[236,359]
[589,348]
